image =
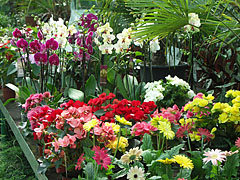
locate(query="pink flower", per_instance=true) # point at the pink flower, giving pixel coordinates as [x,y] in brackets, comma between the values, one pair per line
[79,162]
[101,157]
[40,35]
[73,122]
[55,143]
[172,114]
[52,44]
[40,58]
[35,46]
[214,156]
[184,130]
[39,131]
[80,133]
[141,128]
[199,95]
[46,95]
[17,33]
[22,43]
[204,133]
[54,60]
[64,142]
[237,143]
[72,139]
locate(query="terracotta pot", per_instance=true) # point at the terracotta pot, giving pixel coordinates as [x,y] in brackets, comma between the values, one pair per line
[8,93]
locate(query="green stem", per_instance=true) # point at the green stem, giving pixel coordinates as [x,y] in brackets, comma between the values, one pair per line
[162,144]
[202,144]
[95,173]
[189,145]
[115,153]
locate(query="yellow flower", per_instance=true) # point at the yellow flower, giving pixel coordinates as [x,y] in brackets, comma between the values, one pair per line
[236,93]
[90,124]
[115,127]
[156,121]
[187,107]
[223,118]
[166,161]
[183,161]
[213,130]
[194,137]
[123,120]
[165,128]
[203,103]
[229,93]
[123,143]
[209,97]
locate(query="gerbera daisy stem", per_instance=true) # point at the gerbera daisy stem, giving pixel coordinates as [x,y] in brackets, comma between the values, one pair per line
[115,153]
[159,140]
[96,168]
[202,144]
[189,144]
[162,144]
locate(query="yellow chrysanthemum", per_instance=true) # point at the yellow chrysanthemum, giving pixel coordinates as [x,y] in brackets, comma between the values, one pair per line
[183,161]
[90,124]
[115,127]
[166,161]
[123,120]
[165,128]
[123,143]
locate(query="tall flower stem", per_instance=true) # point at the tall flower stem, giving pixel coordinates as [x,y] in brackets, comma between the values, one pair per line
[189,144]
[96,172]
[115,153]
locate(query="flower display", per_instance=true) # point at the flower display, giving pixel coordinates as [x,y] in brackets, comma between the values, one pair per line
[183,161]
[135,173]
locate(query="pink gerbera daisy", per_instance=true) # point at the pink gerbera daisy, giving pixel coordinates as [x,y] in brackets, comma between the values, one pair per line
[101,157]
[204,133]
[237,143]
[214,156]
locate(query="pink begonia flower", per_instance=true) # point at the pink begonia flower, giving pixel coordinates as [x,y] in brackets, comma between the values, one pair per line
[55,143]
[64,142]
[40,35]
[17,33]
[47,95]
[40,58]
[52,44]
[71,138]
[39,131]
[22,43]
[172,114]
[199,95]
[80,133]
[214,156]
[73,122]
[141,128]
[54,60]
[237,143]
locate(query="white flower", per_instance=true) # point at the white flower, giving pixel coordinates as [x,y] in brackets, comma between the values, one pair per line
[106,48]
[104,29]
[72,30]
[135,173]
[154,45]
[118,47]
[108,38]
[191,94]
[177,81]
[194,23]
[132,155]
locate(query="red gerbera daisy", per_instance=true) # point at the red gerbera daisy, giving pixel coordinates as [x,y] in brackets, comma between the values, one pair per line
[183,131]
[101,157]
[204,133]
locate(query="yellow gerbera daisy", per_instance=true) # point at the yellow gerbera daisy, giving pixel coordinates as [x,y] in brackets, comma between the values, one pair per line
[90,124]
[123,120]
[183,161]
[166,161]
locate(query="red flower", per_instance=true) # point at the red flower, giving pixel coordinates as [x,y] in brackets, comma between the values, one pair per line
[183,131]
[204,133]
[79,163]
[101,157]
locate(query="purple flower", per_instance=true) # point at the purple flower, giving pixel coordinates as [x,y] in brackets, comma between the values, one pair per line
[40,35]
[54,60]
[52,44]
[22,43]
[89,38]
[43,49]
[91,16]
[35,46]
[39,57]
[17,33]
[90,49]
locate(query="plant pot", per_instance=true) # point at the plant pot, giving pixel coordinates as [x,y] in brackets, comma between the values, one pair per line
[30,21]
[8,93]
[161,71]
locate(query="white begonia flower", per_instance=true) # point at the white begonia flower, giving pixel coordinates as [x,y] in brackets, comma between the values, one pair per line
[135,173]
[177,81]
[72,30]
[154,45]
[191,94]
[106,48]
[108,38]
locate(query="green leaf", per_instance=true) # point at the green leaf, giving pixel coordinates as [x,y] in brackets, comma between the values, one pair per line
[12,68]
[89,171]
[100,112]
[75,94]
[174,151]
[129,83]
[156,178]
[90,86]
[88,152]
[111,74]
[36,69]
[231,166]
[147,156]
[43,167]
[120,86]
[120,173]
[147,142]
[185,173]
